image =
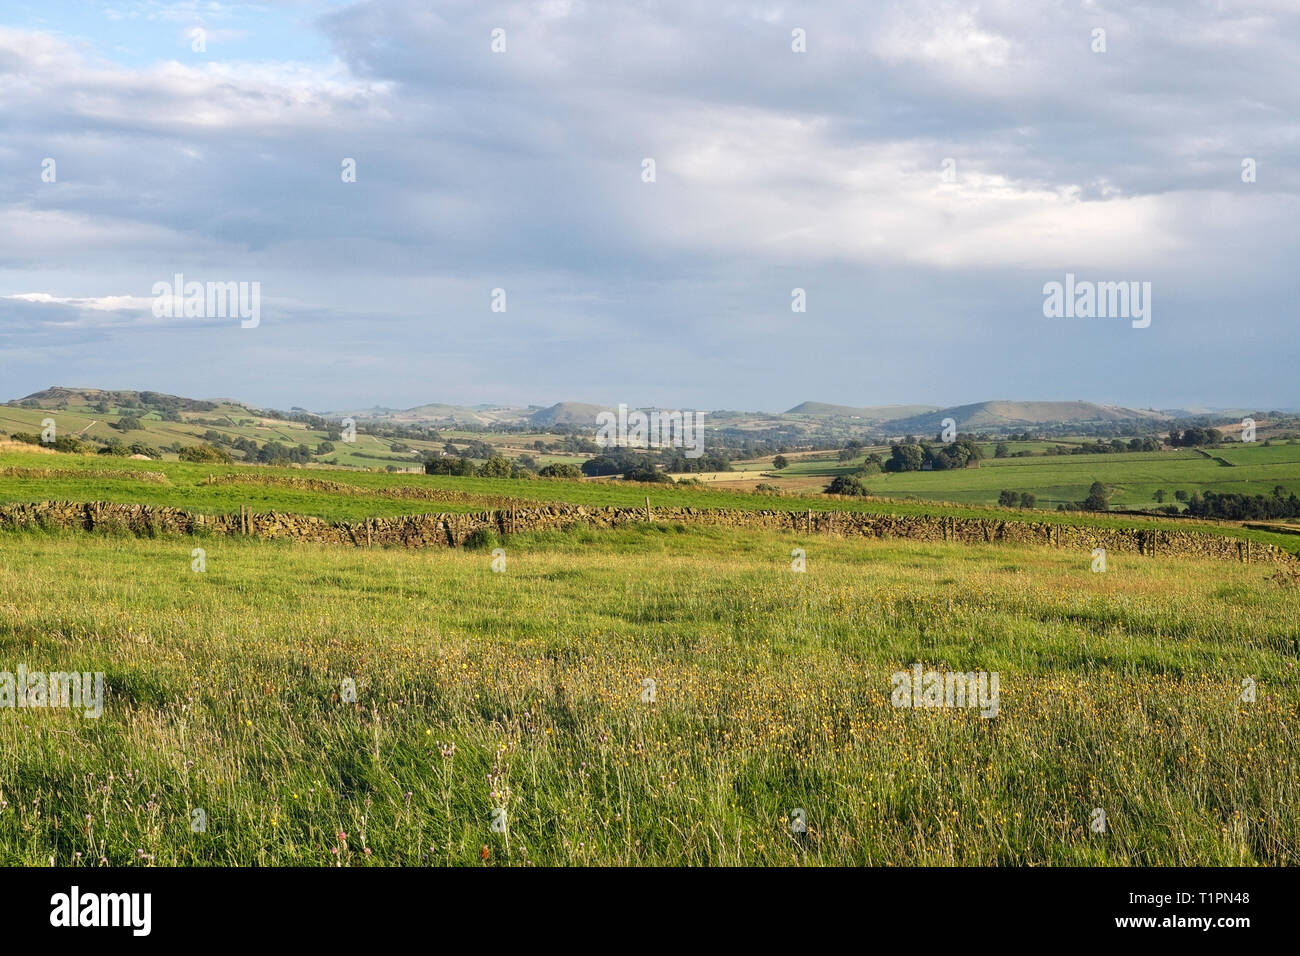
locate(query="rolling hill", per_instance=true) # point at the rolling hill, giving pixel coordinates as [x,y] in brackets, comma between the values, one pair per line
[984,416]
[807,417]
[871,414]
[568,413]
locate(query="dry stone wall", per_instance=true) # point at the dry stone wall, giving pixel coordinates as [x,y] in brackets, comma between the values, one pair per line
[451,530]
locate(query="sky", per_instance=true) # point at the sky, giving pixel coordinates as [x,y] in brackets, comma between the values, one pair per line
[921,171]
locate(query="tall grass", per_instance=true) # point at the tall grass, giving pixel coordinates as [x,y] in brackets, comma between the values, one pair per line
[522,690]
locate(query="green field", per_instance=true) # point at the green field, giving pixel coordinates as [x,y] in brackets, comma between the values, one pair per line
[357,495]
[1132,478]
[1117,691]
[235,422]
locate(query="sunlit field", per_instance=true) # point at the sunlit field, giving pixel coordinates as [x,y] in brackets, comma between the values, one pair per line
[1132,478]
[520,696]
[336,495]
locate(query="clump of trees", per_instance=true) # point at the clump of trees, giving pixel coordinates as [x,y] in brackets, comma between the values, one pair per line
[677,462]
[561,470]
[1012,499]
[495,467]
[119,448]
[205,454]
[847,485]
[1194,437]
[275,453]
[450,465]
[647,472]
[1098,500]
[1115,446]
[65,443]
[1239,507]
[904,456]
[128,423]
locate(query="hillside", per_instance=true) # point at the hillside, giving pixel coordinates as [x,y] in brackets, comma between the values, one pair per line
[1008,414]
[872,413]
[436,413]
[568,413]
[58,396]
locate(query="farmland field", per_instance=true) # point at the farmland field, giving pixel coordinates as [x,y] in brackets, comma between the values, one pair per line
[1133,478]
[524,691]
[27,476]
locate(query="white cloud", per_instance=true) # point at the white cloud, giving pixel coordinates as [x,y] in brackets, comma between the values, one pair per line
[103,303]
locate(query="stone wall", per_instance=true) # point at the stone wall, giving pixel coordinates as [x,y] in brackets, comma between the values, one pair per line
[451,530]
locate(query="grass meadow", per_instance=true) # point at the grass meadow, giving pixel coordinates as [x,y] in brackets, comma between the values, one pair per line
[27,476]
[522,691]
[1132,478]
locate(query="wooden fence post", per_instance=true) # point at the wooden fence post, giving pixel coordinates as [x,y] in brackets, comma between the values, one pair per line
[647,509]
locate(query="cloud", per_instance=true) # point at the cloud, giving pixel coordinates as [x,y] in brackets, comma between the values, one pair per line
[775,169]
[103,303]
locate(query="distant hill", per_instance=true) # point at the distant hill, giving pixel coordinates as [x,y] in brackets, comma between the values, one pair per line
[568,413]
[1001,414]
[872,413]
[58,395]
[437,413]
[1202,411]
[916,419]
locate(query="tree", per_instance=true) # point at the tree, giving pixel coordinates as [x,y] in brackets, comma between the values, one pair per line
[600,465]
[905,458]
[127,423]
[1098,499]
[846,485]
[204,454]
[645,471]
[1159,496]
[449,465]
[561,470]
[495,467]
[1008,499]
[1027,500]
[779,462]
[956,454]
[1001,450]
